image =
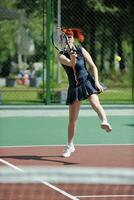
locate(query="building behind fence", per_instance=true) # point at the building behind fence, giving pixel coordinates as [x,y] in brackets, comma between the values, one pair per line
[105,28]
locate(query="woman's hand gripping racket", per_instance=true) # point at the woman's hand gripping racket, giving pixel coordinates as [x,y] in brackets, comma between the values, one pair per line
[60,41]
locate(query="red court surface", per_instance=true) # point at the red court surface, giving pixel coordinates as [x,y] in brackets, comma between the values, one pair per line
[110,156]
[100,156]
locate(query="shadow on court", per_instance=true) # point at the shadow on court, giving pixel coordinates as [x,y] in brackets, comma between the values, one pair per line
[40,158]
[129,125]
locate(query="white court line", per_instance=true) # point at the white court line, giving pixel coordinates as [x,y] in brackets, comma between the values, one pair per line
[59,106]
[62,145]
[43,182]
[10,165]
[105,196]
[62,113]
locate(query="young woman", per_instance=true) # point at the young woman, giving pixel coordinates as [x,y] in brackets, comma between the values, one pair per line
[81,86]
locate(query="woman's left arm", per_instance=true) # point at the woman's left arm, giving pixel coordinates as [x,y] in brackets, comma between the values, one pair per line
[93,67]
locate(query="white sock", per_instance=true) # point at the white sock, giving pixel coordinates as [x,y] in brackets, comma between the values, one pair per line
[104,121]
[71,144]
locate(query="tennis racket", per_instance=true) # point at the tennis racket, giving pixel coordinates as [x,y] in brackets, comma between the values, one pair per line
[60,40]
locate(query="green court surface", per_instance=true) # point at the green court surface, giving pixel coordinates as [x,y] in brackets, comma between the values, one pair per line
[43,131]
[46,130]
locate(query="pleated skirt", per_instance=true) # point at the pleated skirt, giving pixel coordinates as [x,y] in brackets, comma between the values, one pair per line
[81,91]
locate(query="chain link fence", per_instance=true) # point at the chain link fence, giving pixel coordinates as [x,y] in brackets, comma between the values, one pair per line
[105,28]
[22,71]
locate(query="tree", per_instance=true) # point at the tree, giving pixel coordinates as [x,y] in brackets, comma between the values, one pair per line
[32,11]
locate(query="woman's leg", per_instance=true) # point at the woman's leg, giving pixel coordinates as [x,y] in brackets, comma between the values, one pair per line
[73,115]
[95,103]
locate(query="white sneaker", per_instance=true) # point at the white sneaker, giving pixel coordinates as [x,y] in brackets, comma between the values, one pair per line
[106,126]
[68,150]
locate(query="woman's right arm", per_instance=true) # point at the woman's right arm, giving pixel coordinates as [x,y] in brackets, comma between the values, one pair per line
[66,61]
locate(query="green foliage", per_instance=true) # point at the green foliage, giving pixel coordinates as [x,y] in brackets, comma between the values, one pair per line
[30,6]
[8,4]
[100,6]
[7,33]
[8,39]
[33,11]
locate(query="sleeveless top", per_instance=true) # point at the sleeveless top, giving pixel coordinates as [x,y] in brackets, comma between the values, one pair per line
[81,83]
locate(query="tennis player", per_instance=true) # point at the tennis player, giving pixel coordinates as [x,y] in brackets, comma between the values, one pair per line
[82,85]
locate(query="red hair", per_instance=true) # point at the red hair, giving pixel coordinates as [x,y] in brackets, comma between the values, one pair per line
[68,31]
[76,32]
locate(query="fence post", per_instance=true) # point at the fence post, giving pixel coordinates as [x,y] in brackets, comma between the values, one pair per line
[48,57]
[133,69]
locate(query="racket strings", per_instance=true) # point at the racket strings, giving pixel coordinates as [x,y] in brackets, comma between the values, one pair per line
[57,40]
[61,41]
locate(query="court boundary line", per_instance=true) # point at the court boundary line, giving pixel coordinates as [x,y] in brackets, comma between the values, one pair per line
[49,111]
[41,181]
[62,145]
[62,113]
[105,196]
[59,106]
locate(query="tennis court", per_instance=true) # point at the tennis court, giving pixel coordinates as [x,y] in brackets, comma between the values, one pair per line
[31,145]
